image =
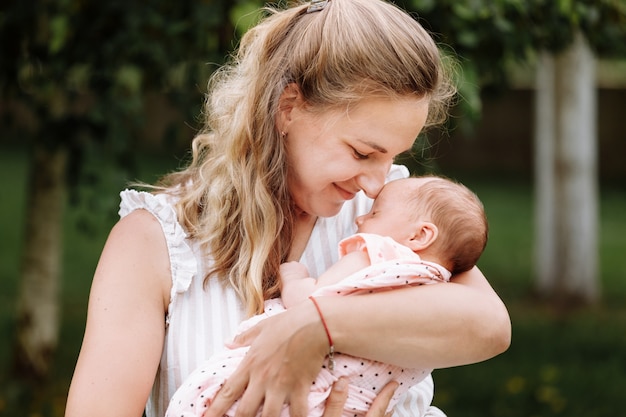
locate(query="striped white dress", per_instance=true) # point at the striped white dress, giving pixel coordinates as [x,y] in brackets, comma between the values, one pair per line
[200,319]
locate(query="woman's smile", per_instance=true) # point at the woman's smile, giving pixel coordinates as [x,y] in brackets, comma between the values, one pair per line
[345,194]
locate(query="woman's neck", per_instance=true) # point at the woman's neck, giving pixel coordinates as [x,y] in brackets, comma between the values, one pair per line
[301,233]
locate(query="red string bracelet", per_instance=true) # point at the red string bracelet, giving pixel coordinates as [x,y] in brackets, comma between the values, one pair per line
[331,352]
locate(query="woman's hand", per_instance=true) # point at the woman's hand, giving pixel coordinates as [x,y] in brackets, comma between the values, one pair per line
[339,394]
[286,354]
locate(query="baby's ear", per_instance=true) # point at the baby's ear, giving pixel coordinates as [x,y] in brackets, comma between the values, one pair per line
[425,235]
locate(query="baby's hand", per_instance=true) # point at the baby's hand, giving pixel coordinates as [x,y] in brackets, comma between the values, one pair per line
[293,270]
[296,284]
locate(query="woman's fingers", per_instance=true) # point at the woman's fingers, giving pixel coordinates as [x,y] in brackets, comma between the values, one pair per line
[339,394]
[285,355]
[245,338]
[251,401]
[337,398]
[230,392]
[298,402]
[381,402]
[272,407]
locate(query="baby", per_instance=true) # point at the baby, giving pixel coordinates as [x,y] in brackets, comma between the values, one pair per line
[420,230]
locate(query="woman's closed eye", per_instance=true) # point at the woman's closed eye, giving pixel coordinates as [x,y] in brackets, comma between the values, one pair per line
[359,155]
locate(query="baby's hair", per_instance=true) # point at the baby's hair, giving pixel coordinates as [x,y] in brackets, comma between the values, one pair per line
[460,217]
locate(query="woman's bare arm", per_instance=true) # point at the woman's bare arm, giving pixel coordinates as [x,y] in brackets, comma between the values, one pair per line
[125,322]
[430,326]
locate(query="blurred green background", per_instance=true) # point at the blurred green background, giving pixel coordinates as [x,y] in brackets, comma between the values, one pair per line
[118,87]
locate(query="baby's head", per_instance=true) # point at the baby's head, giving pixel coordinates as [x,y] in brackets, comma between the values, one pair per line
[441,220]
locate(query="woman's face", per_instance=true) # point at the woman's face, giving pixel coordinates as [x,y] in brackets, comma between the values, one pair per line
[336,154]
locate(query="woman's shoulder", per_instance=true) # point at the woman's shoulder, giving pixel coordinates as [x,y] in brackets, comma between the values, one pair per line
[139,234]
[138,223]
[140,208]
[135,258]
[159,207]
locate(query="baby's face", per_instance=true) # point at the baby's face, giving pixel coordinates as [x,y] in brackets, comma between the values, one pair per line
[391,215]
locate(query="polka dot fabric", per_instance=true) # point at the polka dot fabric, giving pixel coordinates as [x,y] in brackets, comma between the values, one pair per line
[393,266]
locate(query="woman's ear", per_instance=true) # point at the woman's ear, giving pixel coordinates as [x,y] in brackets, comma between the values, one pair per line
[288,100]
[425,235]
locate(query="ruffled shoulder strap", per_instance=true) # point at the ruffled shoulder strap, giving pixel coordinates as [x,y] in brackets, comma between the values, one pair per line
[182,259]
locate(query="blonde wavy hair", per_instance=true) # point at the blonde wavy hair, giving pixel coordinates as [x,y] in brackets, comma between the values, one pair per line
[233,196]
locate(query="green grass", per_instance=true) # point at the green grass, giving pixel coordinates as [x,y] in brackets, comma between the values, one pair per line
[558,365]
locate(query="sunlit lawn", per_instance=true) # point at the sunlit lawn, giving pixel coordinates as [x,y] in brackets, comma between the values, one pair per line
[558,365]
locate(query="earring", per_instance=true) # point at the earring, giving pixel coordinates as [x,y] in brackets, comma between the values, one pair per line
[283,134]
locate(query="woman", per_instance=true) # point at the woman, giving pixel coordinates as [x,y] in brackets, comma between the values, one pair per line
[301,132]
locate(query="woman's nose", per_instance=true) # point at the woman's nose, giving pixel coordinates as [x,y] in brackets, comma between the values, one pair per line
[372,180]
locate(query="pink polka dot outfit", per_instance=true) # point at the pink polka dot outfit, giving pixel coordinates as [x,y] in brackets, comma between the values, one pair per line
[392,266]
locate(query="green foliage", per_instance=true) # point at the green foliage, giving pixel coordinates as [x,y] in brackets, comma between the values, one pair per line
[490,36]
[489,32]
[78,70]
[245,14]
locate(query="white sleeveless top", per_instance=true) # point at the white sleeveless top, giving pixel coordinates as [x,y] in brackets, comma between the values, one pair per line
[201,319]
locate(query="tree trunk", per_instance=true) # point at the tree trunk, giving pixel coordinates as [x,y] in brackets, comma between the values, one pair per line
[567,191]
[38,302]
[545,215]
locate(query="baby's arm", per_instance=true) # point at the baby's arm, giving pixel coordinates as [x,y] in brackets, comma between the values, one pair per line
[297,285]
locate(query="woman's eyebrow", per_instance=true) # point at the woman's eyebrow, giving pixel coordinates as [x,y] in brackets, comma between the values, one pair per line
[374,145]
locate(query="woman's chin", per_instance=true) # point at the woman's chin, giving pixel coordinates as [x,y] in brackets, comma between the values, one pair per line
[330,210]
